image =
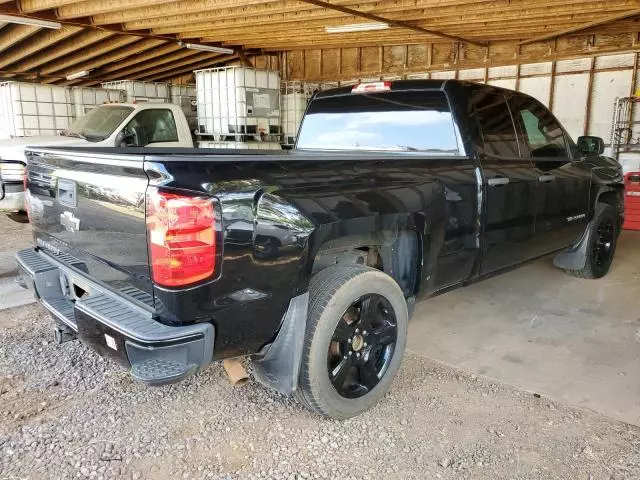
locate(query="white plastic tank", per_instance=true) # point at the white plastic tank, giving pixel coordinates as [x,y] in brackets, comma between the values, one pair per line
[30,109]
[139,91]
[86,98]
[238,102]
[186,97]
[295,98]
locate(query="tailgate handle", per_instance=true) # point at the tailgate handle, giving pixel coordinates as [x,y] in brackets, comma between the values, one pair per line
[498,181]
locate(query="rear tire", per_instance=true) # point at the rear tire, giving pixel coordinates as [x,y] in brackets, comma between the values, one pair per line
[602,244]
[354,342]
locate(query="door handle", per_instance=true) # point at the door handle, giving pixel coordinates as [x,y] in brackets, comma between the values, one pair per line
[546,178]
[498,181]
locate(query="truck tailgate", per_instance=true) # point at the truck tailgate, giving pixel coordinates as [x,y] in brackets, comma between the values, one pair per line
[89,210]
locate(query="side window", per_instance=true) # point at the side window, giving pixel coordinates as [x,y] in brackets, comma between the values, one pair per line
[541,130]
[152,126]
[496,124]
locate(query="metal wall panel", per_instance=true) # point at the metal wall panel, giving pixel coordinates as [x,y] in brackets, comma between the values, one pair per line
[607,86]
[537,87]
[570,101]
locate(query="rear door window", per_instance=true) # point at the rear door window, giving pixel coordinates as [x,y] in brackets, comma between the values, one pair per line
[496,124]
[418,121]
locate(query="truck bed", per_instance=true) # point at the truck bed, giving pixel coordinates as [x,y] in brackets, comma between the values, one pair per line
[275,212]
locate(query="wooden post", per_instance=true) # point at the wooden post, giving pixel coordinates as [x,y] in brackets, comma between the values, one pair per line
[553,85]
[634,85]
[587,109]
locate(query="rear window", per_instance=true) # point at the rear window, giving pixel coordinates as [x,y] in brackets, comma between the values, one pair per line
[418,121]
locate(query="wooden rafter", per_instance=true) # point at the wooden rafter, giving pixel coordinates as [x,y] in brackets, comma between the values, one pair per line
[584,26]
[139,38]
[391,22]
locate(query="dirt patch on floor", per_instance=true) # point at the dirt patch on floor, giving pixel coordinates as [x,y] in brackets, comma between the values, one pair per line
[14,235]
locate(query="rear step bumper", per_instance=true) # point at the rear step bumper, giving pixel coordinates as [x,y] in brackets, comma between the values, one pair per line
[113,325]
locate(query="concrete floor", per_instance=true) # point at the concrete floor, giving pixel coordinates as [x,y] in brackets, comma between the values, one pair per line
[538,329]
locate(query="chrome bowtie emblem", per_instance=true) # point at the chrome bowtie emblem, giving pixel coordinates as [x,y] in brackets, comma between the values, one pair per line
[69,222]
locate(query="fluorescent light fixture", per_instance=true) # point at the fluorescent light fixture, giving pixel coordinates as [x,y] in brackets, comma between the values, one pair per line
[75,76]
[357,27]
[206,48]
[35,22]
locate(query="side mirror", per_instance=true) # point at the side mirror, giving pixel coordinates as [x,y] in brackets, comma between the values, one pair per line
[591,145]
[125,139]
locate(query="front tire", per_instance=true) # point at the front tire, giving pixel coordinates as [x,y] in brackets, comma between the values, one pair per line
[602,244]
[354,342]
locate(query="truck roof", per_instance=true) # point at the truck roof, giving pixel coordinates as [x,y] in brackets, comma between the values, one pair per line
[404,85]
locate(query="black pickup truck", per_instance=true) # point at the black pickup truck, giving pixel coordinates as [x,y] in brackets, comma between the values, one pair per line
[310,261]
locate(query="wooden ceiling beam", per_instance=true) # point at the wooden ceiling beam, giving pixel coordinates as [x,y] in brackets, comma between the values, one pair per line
[192,60]
[281,21]
[170,74]
[84,23]
[144,72]
[179,8]
[12,34]
[109,51]
[31,6]
[477,27]
[405,8]
[36,43]
[115,73]
[317,41]
[391,22]
[584,26]
[89,8]
[140,58]
[65,48]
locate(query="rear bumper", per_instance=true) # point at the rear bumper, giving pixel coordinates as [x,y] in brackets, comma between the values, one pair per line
[111,324]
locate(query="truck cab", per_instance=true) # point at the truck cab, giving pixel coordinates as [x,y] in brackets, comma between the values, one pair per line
[112,125]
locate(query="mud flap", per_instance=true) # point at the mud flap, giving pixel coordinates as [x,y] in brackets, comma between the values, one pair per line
[280,366]
[576,257]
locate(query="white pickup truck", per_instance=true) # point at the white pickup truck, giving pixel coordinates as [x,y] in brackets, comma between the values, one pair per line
[111,125]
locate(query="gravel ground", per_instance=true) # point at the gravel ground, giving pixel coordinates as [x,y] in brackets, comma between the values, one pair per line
[65,412]
[14,235]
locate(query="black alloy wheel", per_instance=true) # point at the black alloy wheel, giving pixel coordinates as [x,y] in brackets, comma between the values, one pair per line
[603,246]
[362,346]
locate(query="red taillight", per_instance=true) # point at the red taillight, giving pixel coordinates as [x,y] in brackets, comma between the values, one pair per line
[372,87]
[182,238]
